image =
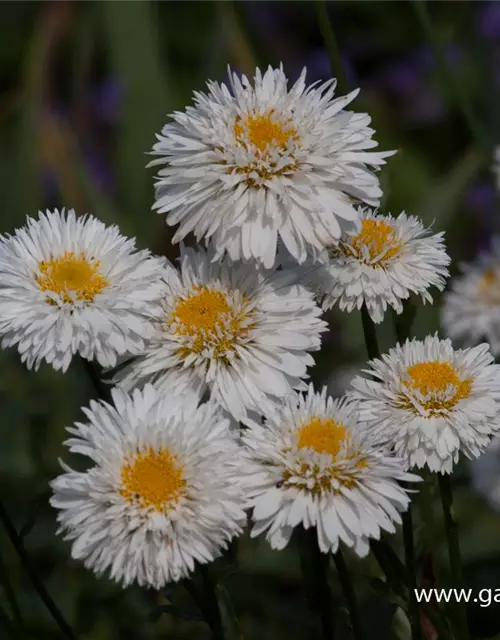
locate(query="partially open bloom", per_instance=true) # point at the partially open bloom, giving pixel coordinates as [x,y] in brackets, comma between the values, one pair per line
[485,474]
[72,285]
[248,164]
[234,330]
[312,464]
[162,493]
[431,402]
[382,265]
[471,308]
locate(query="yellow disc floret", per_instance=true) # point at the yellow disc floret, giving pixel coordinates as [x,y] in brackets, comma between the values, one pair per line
[377,238]
[439,384]
[207,320]
[153,480]
[71,277]
[264,131]
[489,286]
[324,435]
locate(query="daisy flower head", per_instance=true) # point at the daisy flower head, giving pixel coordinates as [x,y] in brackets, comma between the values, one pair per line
[389,259]
[250,163]
[72,285]
[239,332]
[431,402]
[162,492]
[312,464]
[485,474]
[471,308]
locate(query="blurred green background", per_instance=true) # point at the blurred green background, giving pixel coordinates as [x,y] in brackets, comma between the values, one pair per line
[84,86]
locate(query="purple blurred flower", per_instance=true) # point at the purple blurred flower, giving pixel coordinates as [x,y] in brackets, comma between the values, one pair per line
[319,69]
[407,84]
[426,60]
[488,20]
[107,100]
[99,169]
[481,199]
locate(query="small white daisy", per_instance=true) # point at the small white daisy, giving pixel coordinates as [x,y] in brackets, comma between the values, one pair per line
[381,266]
[485,474]
[235,330]
[431,402]
[312,464]
[247,164]
[162,492]
[471,308]
[72,285]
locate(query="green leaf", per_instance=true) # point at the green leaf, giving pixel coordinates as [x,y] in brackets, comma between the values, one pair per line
[443,198]
[228,614]
[134,47]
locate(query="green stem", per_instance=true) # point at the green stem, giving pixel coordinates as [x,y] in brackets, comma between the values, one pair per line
[8,626]
[411,573]
[462,628]
[370,334]
[10,595]
[350,596]
[213,607]
[24,558]
[331,45]
[103,390]
[314,565]
[425,503]
[391,566]
[239,44]
[450,79]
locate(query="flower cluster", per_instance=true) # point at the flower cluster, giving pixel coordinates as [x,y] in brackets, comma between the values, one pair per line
[211,417]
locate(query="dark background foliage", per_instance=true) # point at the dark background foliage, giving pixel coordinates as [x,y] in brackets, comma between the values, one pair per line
[83,88]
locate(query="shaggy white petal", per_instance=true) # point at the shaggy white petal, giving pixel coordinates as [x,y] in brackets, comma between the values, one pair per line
[163,491]
[431,402]
[72,285]
[485,473]
[390,259]
[313,464]
[248,164]
[238,331]
[471,308]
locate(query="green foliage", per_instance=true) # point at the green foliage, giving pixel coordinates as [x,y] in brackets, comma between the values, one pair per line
[54,54]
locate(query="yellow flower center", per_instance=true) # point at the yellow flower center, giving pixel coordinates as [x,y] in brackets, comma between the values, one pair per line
[376,236]
[489,278]
[488,286]
[72,277]
[153,480]
[206,320]
[432,379]
[324,435]
[264,130]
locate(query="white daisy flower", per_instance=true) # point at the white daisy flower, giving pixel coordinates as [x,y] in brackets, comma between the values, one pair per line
[312,465]
[234,330]
[247,164]
[431,402]
[162,492]
[72,285]
[381,266]
[471,308]
[485,474]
